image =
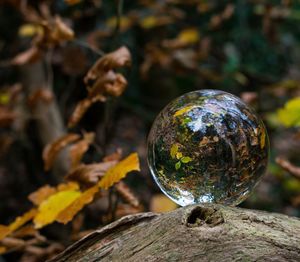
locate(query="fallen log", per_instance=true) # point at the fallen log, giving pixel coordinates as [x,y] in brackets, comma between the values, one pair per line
[192,233]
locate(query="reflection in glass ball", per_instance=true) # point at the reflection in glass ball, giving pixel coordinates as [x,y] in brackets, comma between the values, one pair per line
[207,147]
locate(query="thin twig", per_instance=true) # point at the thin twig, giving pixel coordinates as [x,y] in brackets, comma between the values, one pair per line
[126,193]
[86,45]
[118,22]
[289,167]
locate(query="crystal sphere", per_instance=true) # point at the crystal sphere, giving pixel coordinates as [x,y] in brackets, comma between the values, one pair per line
[207,146]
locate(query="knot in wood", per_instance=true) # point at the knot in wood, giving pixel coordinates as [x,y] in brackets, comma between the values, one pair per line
[199,216]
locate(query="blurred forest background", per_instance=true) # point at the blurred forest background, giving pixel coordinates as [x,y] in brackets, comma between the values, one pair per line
[82,81]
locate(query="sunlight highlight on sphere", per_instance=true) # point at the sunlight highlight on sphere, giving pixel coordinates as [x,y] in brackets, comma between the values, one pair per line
[207,146]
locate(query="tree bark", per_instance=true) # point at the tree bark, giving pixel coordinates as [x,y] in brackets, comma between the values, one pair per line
[48,118]
[192,233]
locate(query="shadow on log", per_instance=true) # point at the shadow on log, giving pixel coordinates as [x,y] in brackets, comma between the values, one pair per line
[192,233]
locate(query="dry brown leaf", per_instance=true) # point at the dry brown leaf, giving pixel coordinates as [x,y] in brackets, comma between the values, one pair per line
[55,32]
[27,231]
[82,107]
[85,198]
[40,95]
[228,11]
[218,19]
[126,193]
[41,194]
[61,32]
[101,84]
[77,150]
[29,56]
[111,84]
[11,242]
[51,150]
[67,186]
[89,174]
[116,156]
[120,170]
[119,58]
[36,254]
[117,87]
[102,79]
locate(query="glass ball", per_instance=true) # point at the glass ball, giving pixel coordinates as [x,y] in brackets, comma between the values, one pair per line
[207,146]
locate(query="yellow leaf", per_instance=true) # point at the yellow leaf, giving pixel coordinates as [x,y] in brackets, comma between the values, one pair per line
[4,98]
[149,22]
[154,21]
[19,221]
[86,197]
[189,36]
[290,114]
[120,170]
[28,30]
[51,207]
[125,22]
[263,139]
[174,150]
[183,110]
[178,155]
[160,203]
[4,231]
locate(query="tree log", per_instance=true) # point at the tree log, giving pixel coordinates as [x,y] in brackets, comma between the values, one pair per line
[192,233]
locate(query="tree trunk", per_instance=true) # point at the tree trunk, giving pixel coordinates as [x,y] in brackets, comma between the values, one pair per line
[192,233]
[49,121]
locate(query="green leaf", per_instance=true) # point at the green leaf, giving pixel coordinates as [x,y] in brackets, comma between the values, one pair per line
[177,165]
[186,159]
[289,115]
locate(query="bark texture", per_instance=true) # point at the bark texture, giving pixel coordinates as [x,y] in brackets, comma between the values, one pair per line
[192,233]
